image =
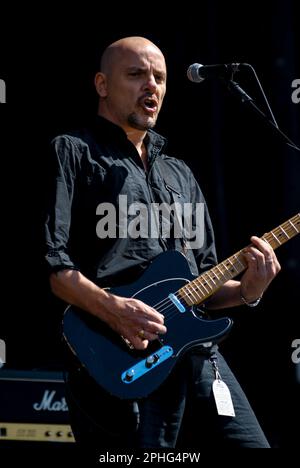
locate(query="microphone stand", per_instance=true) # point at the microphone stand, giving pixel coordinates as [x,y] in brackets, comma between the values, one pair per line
[239,92]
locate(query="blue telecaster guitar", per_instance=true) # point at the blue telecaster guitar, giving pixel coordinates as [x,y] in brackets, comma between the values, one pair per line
[169,287]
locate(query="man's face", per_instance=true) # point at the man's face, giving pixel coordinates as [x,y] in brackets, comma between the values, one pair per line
[135,87]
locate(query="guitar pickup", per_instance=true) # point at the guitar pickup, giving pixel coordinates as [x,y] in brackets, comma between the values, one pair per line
[145,365]
[177,303]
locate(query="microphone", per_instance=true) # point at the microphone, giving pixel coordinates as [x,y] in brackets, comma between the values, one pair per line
[198,72]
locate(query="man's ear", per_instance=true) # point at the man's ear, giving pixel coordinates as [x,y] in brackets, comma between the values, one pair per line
[100,84]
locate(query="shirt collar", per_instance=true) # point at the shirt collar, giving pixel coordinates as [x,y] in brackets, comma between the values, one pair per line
[106,130]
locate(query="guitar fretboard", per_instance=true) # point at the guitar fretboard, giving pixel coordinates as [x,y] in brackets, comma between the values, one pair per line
[209,282]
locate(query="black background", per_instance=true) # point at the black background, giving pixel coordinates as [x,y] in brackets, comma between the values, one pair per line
[251,180]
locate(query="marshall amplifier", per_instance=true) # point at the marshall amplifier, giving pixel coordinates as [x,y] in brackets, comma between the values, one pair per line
[33,407]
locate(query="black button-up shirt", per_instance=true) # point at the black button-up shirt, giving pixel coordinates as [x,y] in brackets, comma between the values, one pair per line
[92,168]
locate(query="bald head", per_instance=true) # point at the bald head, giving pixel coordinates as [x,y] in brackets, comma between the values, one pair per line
[131,83]
[114,51]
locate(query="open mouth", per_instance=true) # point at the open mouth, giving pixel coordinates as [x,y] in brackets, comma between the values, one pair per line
[149,105]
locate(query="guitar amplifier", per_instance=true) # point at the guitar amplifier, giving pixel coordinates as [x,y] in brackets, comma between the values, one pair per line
[33,407]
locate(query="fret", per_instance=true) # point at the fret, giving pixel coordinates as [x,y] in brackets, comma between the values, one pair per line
[289,228]
[293,226]
[227,274]
[184,293]
[219,269]
[231,270]
[203,284]
[190,292]
[266,240]
[238,258]
[214,278]
[232,265]
[211,278]
[215,273]
[195,292]
[235,266]
[276,238]
[207,279]
[283,232]
[199,285]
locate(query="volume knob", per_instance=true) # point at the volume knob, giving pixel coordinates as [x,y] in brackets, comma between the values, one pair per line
[151,360]
[129,375]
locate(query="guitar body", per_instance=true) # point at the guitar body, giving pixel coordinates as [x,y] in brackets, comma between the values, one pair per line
[128,373]
[168,286]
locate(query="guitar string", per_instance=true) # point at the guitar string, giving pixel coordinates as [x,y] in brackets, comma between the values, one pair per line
[169,309]
[166,303]
[288,232]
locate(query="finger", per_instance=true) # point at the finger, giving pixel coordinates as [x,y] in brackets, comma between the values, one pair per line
[146,335]
[150,313]
[150,330]
[260,259]
[155,328]
[251,260]
[272,266]
[270,262]
[266,261]
[263,246]
[155,315]
[138,343]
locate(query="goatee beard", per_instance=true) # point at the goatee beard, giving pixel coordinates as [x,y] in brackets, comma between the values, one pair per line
[135,122]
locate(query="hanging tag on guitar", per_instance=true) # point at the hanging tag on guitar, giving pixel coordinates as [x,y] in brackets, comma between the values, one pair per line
[222,398]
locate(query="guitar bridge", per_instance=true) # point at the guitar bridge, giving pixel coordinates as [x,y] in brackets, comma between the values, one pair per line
[146,365]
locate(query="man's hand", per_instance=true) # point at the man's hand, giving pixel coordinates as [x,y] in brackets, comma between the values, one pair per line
[130,318]
[263,266]
[134,320]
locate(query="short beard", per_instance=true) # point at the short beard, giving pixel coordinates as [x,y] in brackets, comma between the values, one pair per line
[135,122]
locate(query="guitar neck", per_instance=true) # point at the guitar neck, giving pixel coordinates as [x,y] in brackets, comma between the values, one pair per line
[209,282]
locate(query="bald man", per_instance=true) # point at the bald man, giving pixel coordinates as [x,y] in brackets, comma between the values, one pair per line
[107,168]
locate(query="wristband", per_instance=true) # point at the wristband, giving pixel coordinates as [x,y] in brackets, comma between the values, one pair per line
[251,304]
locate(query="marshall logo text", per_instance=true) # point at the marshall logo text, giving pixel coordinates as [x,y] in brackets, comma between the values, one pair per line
[48,403]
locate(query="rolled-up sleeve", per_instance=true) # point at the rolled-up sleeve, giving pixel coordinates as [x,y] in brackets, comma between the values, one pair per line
[64,164]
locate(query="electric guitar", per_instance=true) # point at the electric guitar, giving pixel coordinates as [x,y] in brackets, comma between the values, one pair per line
[169,287]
